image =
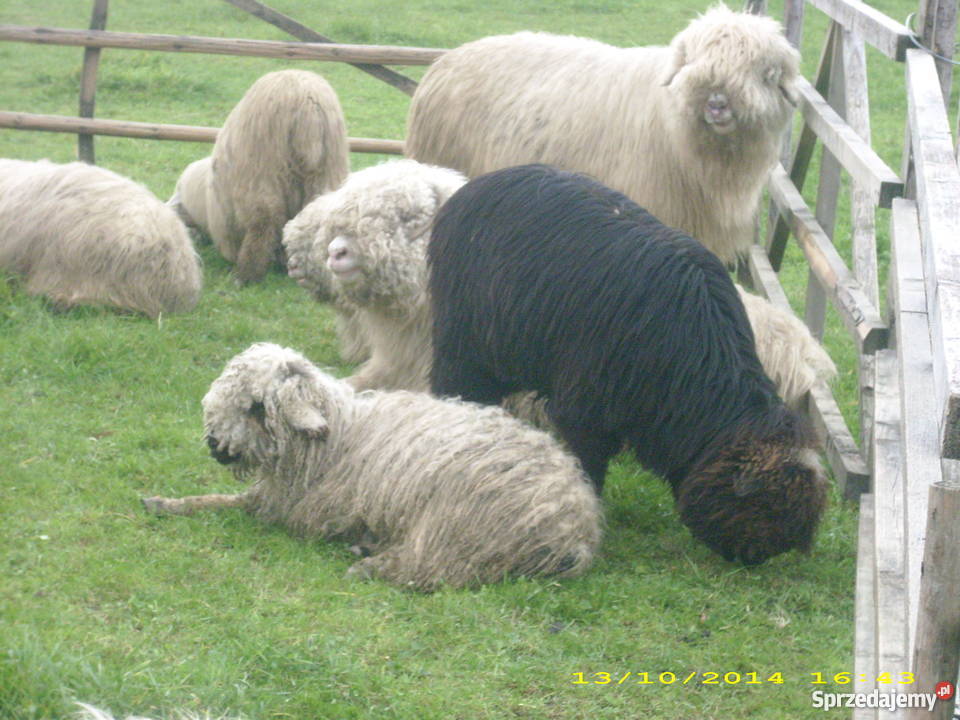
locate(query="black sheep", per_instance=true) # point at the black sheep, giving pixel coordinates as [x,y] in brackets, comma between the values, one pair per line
[547,280]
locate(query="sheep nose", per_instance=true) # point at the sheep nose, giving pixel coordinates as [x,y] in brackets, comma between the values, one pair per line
[338,248]
[717,102]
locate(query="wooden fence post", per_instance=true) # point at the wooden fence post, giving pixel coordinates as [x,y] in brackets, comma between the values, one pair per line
[88,82]
[937,647]
[936,25]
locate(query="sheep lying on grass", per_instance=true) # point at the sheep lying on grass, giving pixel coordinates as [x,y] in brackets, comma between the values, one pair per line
[690,131]
[438,492]
[89,712]
[637,337]
[283,144]
[364,247]
[83,235]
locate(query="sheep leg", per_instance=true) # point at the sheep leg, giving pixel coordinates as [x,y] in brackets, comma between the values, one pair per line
[258,250]
[395,565]
[190,504]
[593,449]
[453,375]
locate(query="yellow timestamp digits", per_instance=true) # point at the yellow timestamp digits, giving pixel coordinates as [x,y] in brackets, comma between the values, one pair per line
[845,678]
[666,677]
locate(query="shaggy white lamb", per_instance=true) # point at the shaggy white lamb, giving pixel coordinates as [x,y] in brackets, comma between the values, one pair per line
[83,235]
[690,131]
[283,144]
[790,355]
[89,712]
[439,492]
[364,246]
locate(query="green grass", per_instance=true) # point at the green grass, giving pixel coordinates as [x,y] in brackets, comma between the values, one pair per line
[103,603]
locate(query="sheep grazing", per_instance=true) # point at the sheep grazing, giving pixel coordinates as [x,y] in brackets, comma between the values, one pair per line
[283,144]
[690,131]
[437,492]
[637,337]
[364,245]
[377,221]
[82,235]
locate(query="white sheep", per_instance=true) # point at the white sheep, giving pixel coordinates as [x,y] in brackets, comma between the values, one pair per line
[790,355]
[364,247]
[83,235]
[283,144]
[690,131]
[438,492]
[89,712]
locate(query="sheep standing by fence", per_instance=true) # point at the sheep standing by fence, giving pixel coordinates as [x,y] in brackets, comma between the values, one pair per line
[83,235]
[377,225]
[283,144]
[690,131]
[438,492]
[637,337]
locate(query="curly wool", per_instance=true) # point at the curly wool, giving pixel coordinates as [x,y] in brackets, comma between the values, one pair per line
[83,235]
[637,337]
[283,144]
[641,120]
[381,216]
[439,492]
[383,211]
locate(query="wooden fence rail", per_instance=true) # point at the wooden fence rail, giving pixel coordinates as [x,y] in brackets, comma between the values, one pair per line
[155,131]
[375,54]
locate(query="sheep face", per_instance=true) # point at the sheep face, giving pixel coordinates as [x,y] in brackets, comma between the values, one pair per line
[733,72]
[263,396]
[755,500]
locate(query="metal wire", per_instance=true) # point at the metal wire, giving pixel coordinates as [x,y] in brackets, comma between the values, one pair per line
[916,41]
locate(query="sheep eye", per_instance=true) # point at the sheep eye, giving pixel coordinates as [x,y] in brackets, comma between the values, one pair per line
[258,412]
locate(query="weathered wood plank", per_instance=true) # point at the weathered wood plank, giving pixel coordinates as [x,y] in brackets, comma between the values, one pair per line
[886,35]
[936,25]
[88,83]
[846,462]
[373,54]
[865,612]
[856,312]
[302,32]
[855,154]
[918,409]
[154,131]
[777,231]
[937,653]
[938,202]
[885,461]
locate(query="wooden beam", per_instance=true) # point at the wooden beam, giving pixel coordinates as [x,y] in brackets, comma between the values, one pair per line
[891,627]
[886,35]
[777,231]
[858,314]
[918,409]
[852,151]
[865,668]
[846,462]
[938,202]
[375,54]
[302,32]
[154,131]
[937,653]
[88,82]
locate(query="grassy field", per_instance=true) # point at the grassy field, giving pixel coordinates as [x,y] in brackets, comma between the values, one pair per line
[102,603]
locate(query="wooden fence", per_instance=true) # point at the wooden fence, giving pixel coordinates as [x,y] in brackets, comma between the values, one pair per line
[904,468]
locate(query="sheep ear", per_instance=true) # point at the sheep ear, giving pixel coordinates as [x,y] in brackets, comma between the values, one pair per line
[300,409]
[790,94]
[678,60]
